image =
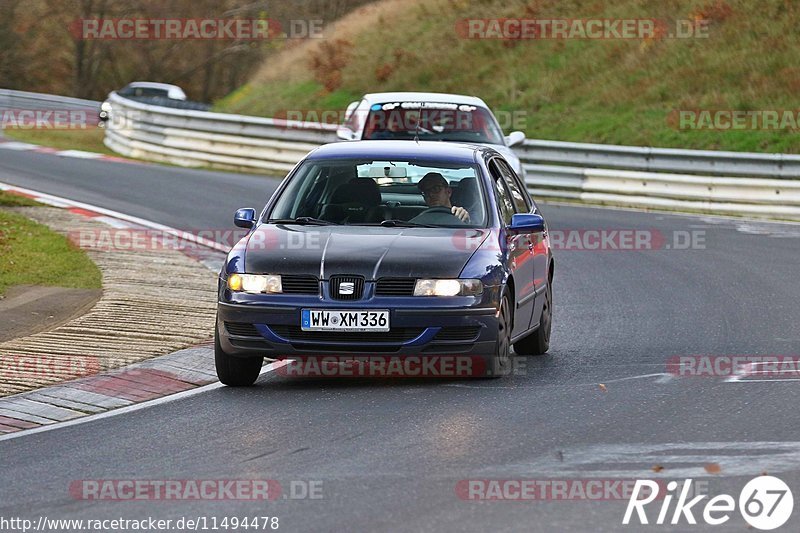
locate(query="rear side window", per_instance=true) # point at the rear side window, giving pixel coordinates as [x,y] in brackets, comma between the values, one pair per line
[502,194]
[518,196]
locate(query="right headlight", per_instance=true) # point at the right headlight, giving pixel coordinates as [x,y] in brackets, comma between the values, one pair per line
[254,283]
[448,287]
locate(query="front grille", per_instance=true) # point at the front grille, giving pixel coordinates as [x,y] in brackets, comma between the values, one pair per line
[241,330]
[347,287]
[458,333]
[395,287]
[395,335]
[300,285]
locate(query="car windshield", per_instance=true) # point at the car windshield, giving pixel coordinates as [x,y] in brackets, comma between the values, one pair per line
[432,122]
[144,92]
[379,192]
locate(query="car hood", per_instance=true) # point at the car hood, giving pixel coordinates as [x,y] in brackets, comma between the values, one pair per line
[372,252]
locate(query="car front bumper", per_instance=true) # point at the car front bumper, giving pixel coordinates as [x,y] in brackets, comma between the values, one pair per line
[273,330]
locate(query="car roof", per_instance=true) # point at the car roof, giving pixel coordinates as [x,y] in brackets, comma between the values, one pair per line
[458,99]
[401,150]
[173,91]
[152,85]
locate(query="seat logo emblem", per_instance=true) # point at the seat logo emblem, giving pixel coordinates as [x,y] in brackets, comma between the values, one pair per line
[347,287]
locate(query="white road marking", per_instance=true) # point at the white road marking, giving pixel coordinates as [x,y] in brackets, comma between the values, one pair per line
[185,235]
[679,460]
[271,367]
[54,203]
[18,146]
[746,371]
[663,378]
[79,154]
[113,222]
[731,380]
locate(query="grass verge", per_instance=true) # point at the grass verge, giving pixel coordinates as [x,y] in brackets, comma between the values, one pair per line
[88,140]
[33,254]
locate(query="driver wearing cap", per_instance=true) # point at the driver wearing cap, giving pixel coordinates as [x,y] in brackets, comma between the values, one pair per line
[437,191]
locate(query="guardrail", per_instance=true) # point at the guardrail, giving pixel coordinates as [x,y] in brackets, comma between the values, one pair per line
[26,100]
[697,180]
[761,197]
[661,159]
[201,138]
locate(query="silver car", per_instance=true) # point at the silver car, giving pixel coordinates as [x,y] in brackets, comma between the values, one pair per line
[429,117]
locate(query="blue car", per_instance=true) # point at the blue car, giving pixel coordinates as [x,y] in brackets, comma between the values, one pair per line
[388,249]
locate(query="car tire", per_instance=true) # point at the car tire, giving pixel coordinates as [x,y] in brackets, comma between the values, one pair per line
[500,361]
[235,371]
[538,342]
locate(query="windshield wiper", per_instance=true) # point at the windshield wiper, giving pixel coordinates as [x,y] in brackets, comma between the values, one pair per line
[395,223]
[305,221]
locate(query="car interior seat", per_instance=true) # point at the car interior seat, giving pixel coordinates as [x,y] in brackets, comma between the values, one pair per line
[468,196]
[357,201]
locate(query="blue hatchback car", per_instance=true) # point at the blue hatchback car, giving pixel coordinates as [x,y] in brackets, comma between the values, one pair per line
[388,249]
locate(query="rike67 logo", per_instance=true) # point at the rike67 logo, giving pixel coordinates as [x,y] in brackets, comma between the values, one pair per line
[765,503]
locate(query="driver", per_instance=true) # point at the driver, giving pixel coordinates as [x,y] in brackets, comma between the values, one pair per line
[437,191]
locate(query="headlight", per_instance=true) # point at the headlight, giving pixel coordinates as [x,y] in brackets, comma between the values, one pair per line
[448,287]
[105,106]
[254,283]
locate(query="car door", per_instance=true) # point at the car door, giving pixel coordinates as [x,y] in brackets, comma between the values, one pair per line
[537,250]
[519,254]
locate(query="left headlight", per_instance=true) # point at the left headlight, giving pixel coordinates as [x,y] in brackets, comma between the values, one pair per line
[255,283]
[448,287]
[105,106]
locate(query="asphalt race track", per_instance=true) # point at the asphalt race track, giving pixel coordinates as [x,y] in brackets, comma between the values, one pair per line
[389,455]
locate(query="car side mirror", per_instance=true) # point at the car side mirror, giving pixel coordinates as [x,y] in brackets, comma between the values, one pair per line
[350,108]
[345,134]
[515,138]
[527,223]
[245,218]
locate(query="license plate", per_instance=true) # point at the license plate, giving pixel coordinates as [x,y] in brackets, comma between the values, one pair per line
[339,320]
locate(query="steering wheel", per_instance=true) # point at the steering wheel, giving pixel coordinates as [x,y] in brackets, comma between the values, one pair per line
[436,215]
[438,209]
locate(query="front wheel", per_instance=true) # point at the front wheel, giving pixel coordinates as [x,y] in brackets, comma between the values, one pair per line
[538,342]
[235,371]
[500,362]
